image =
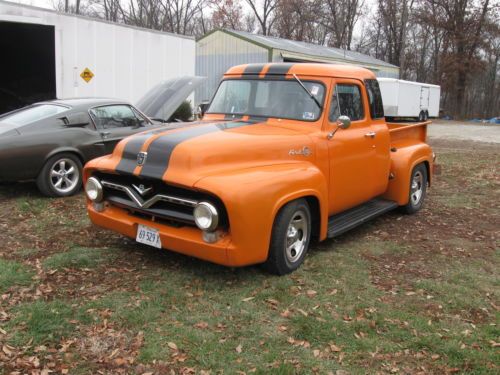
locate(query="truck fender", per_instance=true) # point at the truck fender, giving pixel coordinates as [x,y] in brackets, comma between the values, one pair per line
[403,160]
[252,198]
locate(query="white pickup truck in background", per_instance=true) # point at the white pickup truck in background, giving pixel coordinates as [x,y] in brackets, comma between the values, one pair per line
[409,99]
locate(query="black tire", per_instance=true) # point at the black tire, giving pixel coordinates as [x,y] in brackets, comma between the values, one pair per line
[283,259]
[47,182]
[415,204]
[421,116]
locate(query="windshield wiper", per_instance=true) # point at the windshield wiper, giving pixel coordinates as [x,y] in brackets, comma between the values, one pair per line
[309,92]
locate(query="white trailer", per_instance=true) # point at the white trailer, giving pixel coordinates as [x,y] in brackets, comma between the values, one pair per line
[47,55]
[409,99]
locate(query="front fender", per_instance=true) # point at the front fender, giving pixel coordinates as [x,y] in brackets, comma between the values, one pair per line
[253,197]
[402,163]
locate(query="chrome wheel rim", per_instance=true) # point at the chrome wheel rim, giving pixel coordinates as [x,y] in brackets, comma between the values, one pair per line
[417,188]
[296,236]
[64,175]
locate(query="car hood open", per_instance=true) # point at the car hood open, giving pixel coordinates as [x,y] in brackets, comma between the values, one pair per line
[162,100]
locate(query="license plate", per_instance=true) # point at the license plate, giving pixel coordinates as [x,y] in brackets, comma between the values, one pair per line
[148,236]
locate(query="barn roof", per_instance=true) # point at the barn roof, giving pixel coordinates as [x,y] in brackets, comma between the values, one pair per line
[307,49]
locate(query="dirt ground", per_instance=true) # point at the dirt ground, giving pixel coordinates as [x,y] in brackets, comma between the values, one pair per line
[468,131]
[403,294]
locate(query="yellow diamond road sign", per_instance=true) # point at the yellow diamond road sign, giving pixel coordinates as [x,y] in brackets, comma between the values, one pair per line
[87,75]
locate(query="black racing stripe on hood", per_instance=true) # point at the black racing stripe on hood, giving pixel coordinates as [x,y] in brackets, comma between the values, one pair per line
[160,150]
[279,69]
[254,68]
[134,145]
[128,161]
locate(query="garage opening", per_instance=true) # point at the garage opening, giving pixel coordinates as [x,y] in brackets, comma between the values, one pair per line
[27,64]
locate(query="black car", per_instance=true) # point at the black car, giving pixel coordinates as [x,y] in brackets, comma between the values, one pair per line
[50,141]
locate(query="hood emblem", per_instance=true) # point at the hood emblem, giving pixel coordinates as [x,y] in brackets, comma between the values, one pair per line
[304,151]
[141,189]
[141,158]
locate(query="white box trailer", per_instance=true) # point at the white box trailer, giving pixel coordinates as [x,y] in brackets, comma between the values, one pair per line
[409,99]
[47,55]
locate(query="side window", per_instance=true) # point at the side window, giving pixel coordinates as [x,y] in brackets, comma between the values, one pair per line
[115,116]
[374,98]
[346,101]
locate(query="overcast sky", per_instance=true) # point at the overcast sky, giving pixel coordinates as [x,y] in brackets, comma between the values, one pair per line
[369,5]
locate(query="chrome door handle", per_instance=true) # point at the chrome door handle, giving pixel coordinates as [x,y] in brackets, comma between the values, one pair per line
[371,134]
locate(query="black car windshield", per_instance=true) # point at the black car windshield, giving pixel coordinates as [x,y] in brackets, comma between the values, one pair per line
[32,114]
[269,98]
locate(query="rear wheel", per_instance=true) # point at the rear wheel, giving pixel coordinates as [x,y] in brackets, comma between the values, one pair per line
[421,116]
[290,238]
[61,176]
[418,189]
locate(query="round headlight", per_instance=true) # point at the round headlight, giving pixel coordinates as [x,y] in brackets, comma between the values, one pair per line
[93,189]
[206,216]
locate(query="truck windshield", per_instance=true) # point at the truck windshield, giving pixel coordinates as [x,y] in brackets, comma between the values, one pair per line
[269,98]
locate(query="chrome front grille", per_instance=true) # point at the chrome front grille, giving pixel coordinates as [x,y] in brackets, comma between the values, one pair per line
[155,199]
[151,201]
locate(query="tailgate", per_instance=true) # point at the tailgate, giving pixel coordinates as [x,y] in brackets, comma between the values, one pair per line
[416,132]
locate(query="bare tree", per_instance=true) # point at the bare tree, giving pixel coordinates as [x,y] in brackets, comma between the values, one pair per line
[264,11]
[339,18]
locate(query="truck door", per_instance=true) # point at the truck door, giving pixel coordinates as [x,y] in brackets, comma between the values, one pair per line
[351,151]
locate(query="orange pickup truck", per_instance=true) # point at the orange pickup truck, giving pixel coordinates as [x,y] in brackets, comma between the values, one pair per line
[285,153]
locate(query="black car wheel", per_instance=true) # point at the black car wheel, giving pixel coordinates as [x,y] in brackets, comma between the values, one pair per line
[61,176]
[290,238]
[418,189]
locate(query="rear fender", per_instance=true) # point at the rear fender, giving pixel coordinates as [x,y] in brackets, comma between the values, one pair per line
[403,160]
[253,197]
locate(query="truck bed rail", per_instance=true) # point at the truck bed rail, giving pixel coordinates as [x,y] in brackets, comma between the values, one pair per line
[408,131]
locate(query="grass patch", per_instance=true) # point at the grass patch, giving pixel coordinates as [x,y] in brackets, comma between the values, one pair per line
[30,205]
[40,321]
[77,258]
[13,273]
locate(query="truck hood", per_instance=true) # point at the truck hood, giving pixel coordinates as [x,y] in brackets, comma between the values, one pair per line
[185,153]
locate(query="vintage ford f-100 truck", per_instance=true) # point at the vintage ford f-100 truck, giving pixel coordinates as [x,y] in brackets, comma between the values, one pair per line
[284,153]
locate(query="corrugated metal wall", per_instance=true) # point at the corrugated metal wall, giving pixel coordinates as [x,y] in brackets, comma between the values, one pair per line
[126,61]
[216,53]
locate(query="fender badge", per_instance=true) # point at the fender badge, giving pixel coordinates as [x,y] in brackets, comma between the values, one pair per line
[304,151]
[141,158]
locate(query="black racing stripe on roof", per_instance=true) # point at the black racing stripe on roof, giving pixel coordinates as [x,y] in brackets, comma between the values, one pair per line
[161,149]
[279,69]
[254,68]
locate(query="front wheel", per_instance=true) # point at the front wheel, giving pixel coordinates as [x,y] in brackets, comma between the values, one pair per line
[290,238]
[418,189]
[61,176]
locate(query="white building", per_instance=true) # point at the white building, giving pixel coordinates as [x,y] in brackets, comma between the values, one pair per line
[47,54]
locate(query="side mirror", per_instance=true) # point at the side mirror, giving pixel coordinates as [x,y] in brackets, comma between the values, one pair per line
[76,120]
[202,108]
[343,122]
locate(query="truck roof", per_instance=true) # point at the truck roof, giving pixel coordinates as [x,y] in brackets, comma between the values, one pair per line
[310,69]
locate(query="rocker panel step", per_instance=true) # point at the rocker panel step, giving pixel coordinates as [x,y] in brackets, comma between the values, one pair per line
[351,218]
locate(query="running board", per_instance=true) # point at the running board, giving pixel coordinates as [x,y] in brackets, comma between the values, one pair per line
[347,220]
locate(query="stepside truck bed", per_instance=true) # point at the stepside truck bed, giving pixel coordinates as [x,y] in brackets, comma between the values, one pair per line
[407,133]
